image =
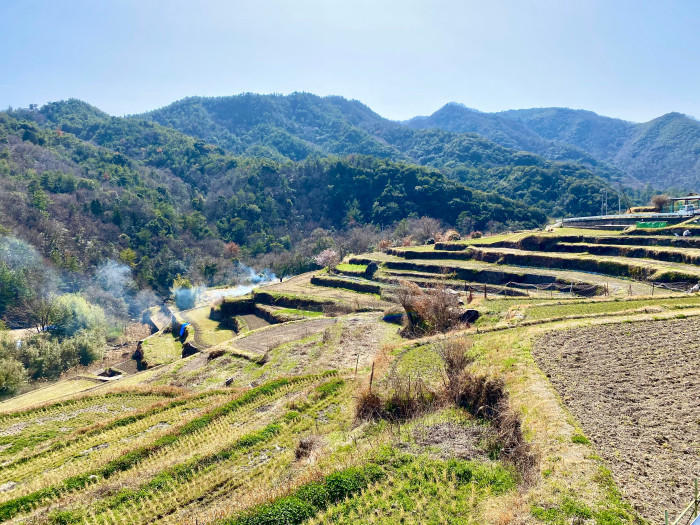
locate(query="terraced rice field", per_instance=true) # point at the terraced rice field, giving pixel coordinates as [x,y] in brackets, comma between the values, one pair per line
[46,394]
[207,332]
[605,395]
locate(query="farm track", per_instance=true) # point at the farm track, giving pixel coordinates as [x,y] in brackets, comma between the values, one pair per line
[634,390]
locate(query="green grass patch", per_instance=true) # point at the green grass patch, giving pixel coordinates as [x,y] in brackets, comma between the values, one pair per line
[580,439]
[605,307]
[330,387]
[208,332]
[297,312]
[161,348]
[351,268]
[426,490]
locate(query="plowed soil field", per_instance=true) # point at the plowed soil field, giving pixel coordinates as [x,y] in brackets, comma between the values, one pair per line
[635,389]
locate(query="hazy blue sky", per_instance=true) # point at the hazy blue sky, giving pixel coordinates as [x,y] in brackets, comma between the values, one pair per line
[630,59]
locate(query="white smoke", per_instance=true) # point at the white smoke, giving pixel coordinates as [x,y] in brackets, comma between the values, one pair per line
[116,280]
[247,279]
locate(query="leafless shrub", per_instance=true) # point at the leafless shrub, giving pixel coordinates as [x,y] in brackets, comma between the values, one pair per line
[384,245]
[306,446]
[455,359]
[407,398]
[369,406]
[487,398]
[404,398]
[450,235]
[428,311]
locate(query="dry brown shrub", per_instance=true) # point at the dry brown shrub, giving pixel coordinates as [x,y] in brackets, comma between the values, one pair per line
[451,235]
[384,245]
[214,354]
[428,311]
[306,446]
[404,399]
[455,359]
[369,406]
[487,398]
[407,398]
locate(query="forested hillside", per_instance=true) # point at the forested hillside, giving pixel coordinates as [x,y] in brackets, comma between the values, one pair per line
[84,187]
[506,131]
[662,152]
[300,125]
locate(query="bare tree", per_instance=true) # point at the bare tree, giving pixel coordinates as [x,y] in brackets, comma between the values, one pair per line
[40,312]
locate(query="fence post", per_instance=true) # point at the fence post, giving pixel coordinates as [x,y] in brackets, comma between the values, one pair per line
[371,378]
[485,292]
[666,517]
[653,284]
[697,501]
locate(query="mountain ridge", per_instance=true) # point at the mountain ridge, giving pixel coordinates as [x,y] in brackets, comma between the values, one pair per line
[663,151]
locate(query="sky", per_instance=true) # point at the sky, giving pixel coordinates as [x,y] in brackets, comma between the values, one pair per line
[631,59]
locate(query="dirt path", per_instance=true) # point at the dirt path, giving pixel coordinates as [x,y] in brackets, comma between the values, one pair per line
[635,390]
[275,335]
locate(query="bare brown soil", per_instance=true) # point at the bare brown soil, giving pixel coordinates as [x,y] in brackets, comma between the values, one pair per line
[453,440]
[357,343]
[634,388]
[268,338]
[254,321]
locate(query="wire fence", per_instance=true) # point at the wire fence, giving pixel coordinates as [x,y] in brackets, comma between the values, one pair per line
[581,289]
[563,289]
[691,514]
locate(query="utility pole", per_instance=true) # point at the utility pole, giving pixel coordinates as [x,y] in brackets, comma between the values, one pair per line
[619,204]
[605,193]
[604,203]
